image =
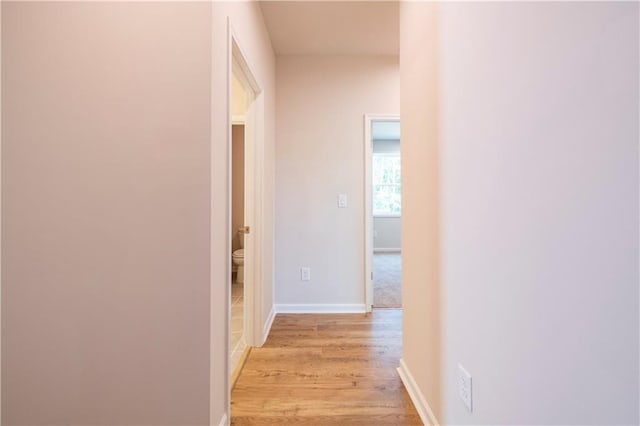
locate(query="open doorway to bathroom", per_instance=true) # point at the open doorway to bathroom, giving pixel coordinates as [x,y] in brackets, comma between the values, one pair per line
[383,212]
[237,340]
[242,215]
[246,231]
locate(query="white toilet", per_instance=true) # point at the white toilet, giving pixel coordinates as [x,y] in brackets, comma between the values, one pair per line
[238,258]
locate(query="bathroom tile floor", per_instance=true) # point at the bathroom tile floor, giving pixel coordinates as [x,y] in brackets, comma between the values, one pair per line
[237,343]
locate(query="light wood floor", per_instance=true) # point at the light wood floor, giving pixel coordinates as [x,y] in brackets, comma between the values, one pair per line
[326,370]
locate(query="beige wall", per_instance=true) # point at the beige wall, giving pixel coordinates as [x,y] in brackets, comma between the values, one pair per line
[238,97]
[248,25]
[320,122]
[539,201]
[114,240]
[237,184]
[420,197]
[105,189]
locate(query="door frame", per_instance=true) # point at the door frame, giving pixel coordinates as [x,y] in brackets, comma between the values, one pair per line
[0,212]
[368,207]
[254,178]
[243,73]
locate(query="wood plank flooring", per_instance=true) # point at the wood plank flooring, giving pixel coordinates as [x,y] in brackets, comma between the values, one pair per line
[326,370]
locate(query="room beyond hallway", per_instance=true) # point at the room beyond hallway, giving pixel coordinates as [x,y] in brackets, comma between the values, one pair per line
[387,272]
[326,369]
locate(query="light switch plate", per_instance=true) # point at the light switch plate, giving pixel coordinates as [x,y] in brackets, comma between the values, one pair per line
[342,200]
[305,274]
[464,387]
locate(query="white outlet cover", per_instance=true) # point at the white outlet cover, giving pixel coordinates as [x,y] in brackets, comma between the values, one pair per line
[464,387]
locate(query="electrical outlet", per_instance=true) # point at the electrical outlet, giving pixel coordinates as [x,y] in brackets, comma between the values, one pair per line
[464,387]
[305,274]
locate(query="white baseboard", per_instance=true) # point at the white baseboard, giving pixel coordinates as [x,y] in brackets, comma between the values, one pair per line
[267,325]
[320,308]
[417,397]
[387,250]
[224,421]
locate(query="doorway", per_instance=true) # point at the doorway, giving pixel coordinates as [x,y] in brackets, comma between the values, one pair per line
[244,165]
[237,341]
[383,214]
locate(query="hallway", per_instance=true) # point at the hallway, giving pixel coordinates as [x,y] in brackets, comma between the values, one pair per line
[519,203]
[325,369]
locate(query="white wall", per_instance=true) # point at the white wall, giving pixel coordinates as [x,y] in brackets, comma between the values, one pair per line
[248,24]
[538,133]
[320,124]
[386,233]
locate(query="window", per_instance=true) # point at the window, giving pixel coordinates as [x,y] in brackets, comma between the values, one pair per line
[386,184]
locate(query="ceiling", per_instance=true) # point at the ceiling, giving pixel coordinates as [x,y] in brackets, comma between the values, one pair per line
[333,27]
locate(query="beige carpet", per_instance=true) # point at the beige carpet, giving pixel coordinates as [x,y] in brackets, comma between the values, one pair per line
[387,268]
